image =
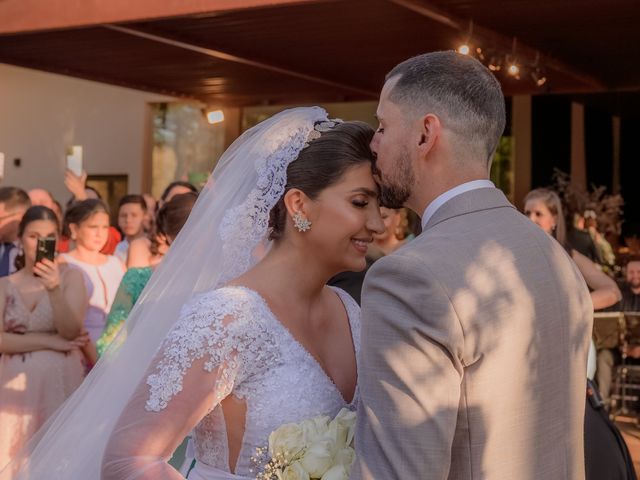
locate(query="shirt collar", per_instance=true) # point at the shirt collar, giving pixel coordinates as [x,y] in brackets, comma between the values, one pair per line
[433,207]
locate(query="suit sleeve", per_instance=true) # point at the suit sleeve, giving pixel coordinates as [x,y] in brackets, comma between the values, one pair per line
[410,373]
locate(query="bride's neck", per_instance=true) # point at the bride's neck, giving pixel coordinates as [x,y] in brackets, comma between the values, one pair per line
[290,270]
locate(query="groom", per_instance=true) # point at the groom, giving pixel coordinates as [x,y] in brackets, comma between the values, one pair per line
[475,334]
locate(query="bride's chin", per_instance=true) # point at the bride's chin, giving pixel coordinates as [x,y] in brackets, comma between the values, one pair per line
[356,265]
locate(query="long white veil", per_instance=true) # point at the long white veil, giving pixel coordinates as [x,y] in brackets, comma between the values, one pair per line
[218,243]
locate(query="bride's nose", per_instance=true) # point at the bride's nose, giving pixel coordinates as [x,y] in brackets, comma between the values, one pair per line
[375,223]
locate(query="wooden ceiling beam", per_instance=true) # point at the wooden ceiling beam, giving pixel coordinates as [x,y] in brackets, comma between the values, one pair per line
[499,40]
[18,16]
[220,55]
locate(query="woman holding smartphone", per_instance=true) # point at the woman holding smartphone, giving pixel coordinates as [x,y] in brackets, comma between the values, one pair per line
[88,222]
[41,335]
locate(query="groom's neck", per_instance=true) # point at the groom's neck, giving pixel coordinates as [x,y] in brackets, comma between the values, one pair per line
[425,192]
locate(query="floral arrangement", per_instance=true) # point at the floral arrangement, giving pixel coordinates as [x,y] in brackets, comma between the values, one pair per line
[608,207]
[315,449]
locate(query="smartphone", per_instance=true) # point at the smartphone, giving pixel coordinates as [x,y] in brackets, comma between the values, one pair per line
[74,159]
[46,248]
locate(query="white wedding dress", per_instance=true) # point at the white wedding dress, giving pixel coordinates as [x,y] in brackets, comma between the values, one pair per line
[227,342]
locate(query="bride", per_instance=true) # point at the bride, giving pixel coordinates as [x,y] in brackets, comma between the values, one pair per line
[244,345]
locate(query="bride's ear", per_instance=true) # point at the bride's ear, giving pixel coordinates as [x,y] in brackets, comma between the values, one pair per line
[295,201]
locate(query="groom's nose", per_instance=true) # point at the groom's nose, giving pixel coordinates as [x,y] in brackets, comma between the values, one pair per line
[374,145]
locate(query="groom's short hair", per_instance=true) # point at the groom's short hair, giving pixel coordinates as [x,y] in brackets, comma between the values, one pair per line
[461,91]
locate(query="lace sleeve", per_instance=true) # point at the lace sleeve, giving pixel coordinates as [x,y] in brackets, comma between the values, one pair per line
[219,341]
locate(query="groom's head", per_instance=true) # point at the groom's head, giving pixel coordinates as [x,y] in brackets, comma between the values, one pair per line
[441,115]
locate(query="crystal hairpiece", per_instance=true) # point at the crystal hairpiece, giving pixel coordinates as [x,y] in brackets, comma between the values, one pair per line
[321,127]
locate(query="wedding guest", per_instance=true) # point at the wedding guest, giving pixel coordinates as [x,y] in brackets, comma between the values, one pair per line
[40,196]
[544,208]
[80,191]
[170,219]
[608,358]
[175,188]
[89,226]
[395,233]
[631,290]
[579,239]
[41,334]
[605,250]
[14,202]
[151,211]
[132,212]
[57,209]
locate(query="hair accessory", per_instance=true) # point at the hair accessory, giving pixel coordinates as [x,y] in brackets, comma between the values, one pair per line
[321,127]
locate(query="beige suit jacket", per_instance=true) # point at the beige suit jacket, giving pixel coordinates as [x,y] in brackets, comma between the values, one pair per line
[474,350]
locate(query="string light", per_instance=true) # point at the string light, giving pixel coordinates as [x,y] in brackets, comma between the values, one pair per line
[495,64]
[538,77]
[513,65]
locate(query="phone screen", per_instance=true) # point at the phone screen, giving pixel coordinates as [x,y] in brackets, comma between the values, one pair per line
[46,249]
[74,159]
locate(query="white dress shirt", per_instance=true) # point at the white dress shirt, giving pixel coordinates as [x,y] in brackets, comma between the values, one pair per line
[449,194]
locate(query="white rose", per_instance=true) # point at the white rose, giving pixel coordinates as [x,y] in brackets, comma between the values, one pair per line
[318,458]
[337,472]
[314,428]
[345,457]
[295,471]
[347,418]
[341,428]
[287,440]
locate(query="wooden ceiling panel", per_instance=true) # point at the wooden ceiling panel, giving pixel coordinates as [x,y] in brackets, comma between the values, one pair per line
[333,50]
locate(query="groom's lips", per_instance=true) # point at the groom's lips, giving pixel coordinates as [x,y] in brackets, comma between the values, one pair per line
[361,244]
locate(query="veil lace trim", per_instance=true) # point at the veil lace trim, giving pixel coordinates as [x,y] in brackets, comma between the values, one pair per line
[245,226]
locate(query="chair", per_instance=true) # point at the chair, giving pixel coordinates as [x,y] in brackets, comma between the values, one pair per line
[626,382]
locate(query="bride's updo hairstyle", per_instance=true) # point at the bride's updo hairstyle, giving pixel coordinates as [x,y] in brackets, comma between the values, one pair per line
[322,163]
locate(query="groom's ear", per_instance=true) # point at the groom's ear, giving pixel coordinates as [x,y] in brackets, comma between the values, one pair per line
[430,131]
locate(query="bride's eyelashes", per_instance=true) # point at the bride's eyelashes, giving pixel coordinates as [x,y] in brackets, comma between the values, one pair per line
[360,203]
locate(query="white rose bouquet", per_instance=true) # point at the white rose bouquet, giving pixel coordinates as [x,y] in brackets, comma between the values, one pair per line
[315,449]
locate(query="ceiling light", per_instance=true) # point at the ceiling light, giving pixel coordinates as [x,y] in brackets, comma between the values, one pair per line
[464,49]
[513,70]
[215,116]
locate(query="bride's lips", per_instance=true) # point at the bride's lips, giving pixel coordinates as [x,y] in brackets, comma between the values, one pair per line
[361,244]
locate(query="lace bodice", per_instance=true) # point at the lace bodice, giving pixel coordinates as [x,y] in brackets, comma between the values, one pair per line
[230,338]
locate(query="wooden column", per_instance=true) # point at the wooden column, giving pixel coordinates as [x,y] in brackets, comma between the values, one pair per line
[615,125]
[232,125]
[521,130]
[578,156]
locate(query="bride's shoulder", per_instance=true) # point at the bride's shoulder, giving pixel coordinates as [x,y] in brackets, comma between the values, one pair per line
[225,304]
[231,296]
[347,300]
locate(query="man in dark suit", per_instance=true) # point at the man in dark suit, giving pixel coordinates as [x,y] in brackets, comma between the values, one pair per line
[14,202]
